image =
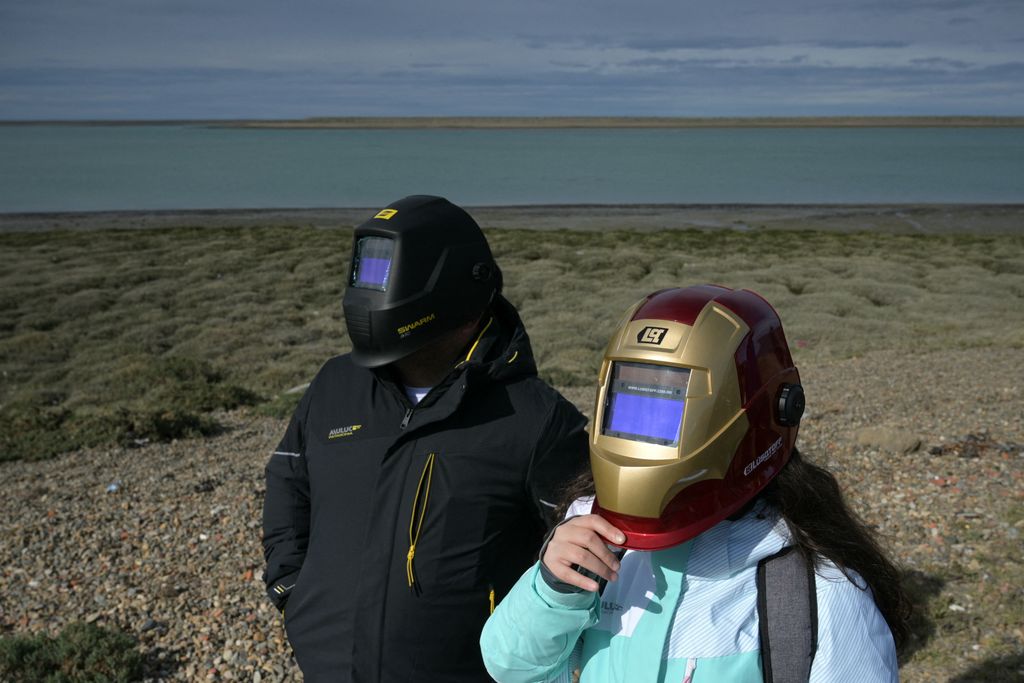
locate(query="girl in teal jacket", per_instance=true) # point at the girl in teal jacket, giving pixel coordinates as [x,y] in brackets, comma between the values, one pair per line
[694,469]
[686,614]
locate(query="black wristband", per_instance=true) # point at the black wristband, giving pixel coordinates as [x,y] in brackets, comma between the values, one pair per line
[555,583]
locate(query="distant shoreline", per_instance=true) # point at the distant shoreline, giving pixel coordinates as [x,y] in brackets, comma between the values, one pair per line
[882,218]
[556,122]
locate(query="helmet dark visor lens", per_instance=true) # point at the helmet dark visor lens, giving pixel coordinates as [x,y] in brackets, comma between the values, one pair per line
[371,266]
[645,403]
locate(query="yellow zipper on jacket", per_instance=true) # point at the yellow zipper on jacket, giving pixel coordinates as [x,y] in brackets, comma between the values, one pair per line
[419,513]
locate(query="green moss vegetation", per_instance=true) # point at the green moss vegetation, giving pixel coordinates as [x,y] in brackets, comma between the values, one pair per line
[123,336]
[81,653]
[840,295]
[119,337]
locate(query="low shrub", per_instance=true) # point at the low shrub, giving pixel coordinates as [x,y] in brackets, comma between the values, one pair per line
[80,653]
[154,399]
[282,405]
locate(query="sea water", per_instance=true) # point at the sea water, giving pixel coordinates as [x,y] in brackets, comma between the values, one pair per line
[47,168]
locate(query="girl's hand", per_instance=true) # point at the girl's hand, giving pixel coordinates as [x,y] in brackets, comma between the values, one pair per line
[581,541]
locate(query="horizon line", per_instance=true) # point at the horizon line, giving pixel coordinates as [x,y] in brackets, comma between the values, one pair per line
[344,122]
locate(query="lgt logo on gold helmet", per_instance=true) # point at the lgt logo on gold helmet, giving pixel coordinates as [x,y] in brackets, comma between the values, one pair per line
[651,335]
[697,410]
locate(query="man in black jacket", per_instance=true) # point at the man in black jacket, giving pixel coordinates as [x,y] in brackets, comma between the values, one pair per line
[418,474]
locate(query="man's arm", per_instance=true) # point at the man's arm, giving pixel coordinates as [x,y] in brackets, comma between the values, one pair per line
[561,454]
[286,509]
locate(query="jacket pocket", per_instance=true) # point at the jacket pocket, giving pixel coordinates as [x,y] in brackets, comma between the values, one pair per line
[465,520]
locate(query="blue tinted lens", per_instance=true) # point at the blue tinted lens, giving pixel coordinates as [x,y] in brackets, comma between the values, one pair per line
[645,416]
[373,271]
[371,267]
[645,403]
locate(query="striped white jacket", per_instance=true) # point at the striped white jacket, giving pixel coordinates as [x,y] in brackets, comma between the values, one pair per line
[687,614]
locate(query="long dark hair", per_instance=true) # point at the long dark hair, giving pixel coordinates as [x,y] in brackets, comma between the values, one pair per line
[809,499]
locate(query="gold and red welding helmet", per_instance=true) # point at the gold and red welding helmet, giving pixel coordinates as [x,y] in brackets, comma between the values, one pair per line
[697,410]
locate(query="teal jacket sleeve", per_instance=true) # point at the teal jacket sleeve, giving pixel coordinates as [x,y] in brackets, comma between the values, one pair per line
[533,631]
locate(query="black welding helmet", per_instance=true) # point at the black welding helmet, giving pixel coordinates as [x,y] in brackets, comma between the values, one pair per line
[421,267]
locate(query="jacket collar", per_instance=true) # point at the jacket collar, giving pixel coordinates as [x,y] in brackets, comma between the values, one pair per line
[503,349]
[499,353]
[734,545]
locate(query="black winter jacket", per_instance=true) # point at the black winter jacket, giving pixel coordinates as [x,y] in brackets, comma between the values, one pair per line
[339,510]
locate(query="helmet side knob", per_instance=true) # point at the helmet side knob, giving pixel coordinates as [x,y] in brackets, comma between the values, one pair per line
[482,271]
[791,405]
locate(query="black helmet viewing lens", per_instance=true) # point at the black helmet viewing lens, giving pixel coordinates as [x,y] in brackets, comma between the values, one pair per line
[371,267]
[645,403]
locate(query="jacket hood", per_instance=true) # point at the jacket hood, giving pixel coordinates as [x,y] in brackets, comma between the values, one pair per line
[503,351]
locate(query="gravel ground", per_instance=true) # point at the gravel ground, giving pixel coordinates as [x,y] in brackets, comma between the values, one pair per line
[164,540]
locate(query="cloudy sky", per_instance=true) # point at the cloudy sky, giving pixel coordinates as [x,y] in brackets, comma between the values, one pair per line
[87,59]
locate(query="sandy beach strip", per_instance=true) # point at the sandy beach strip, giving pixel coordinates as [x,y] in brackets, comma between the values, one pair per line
[891,219]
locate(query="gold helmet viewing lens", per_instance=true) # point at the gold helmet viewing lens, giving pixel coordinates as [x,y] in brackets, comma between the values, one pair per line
[645,403]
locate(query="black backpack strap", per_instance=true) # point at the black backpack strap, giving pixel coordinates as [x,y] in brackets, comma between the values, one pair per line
[787,611]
